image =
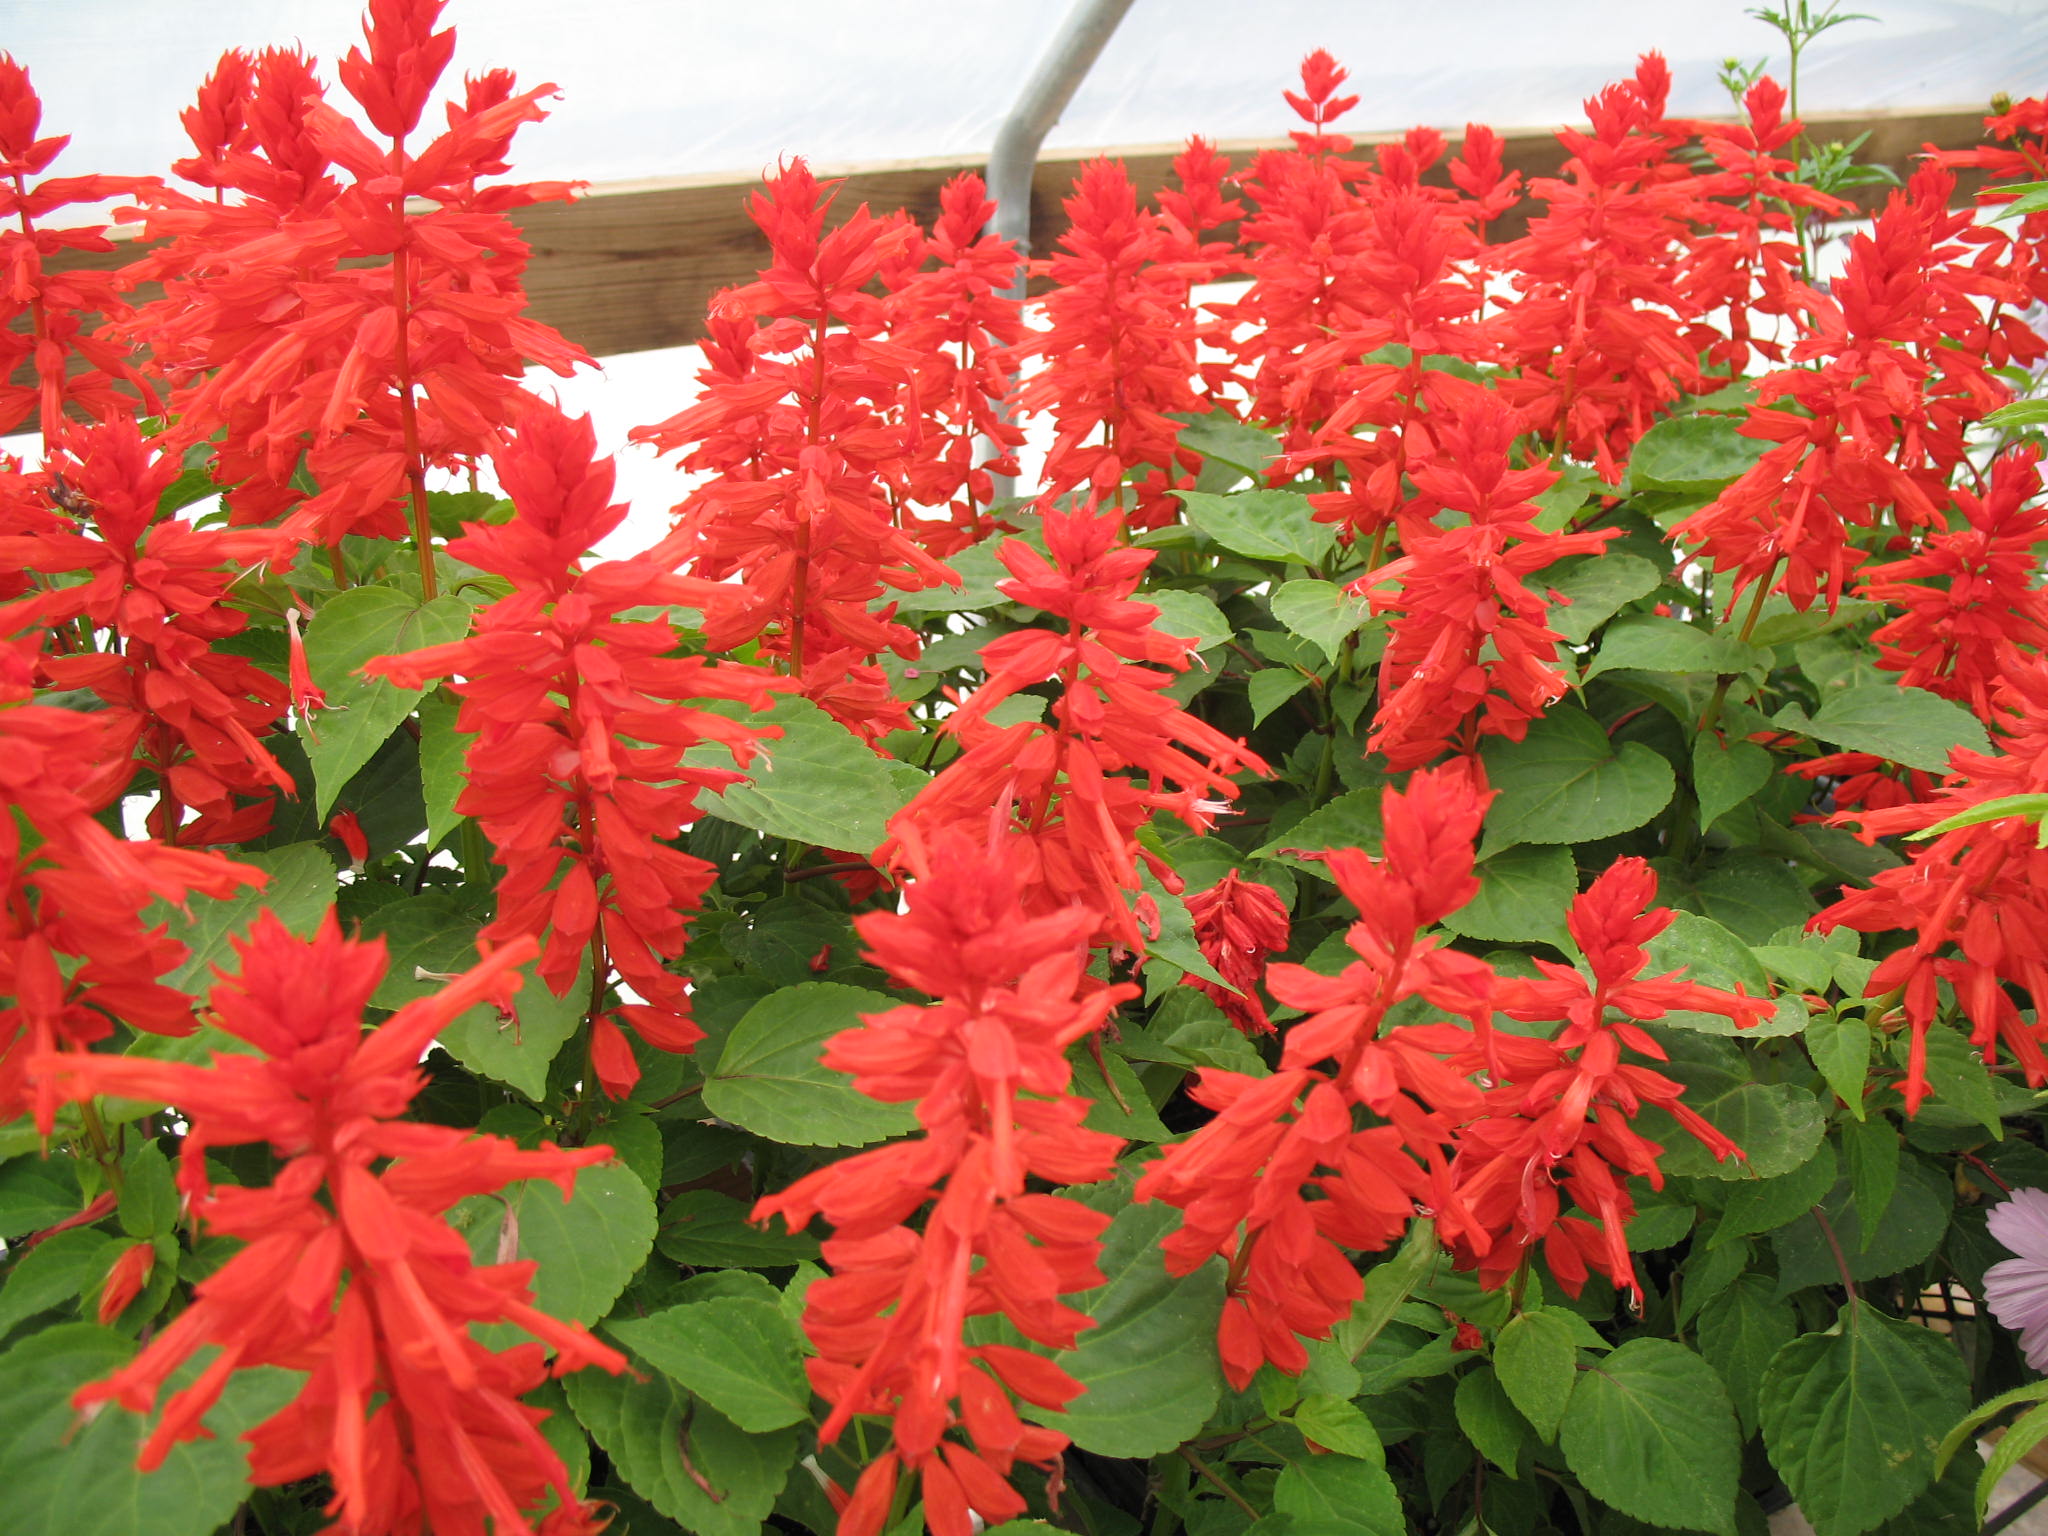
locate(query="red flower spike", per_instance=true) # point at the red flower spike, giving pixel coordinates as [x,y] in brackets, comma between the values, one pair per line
[125,1279]
[1060,786]
[1238,923]
[986,1066]
[350,1270]
[555,684]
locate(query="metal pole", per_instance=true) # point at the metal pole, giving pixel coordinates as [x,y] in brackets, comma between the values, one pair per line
[1066,63]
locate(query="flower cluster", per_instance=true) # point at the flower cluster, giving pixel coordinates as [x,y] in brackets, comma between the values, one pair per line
[986,1067]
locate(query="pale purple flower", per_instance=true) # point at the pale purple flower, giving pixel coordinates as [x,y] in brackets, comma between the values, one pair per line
[2017,1289]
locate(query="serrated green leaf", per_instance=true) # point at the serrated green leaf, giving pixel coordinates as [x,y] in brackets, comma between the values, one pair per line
[1724,774]
[1387,1285]
[1692,453]
[1906,1235]
[1567,783]
[1650,1431]
[1648,642]
[1338,1496]
[1840,1046]
[645,1423]
[1536,1356]
[1524,892]
[1352,820]
[55,1273]
[1777,1125]
[817,783]
[587,1246]
[1191,616]
[1902,725]
[1959,1078]
[67,1476]
[1148,1366]
[443,769]
[1852,1418]
[771,1081]
[1270,687]
[1753,895]
[1490,1420]
[1341,1426]
[351,628]
[1263,525]
[1764,1205]
[1595,589]
[738,1354]
[436,933]
[1321,612]
[37,1192]
[1740,1332]
[707,1230]
[149,1193]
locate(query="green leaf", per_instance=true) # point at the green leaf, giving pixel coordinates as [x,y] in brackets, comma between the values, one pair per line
[1648,642]
[68,1476]
[37,1192]
[738,1354]
[1490,1420]
[1338,1496]
[1523,894]
[443,770]
[1693,453]
[1906,1235]
[1852,1417]
[149,1193]
[55,1273]
[354,627]
[646,1424]
[770,1080]
[817,783]
[1839,1044]
[299,891]
[1235,450]
[437,933]
[1708,954]
[1191,616]
[1958,1076]
[1902,725]
[1753,895]
[587,1246]
[1537,1357]
[1650,1431]
[1340,1426]
[1351,820]
[1778,1126]
[1270,687]
[1567,783]
[1764,1205]
[2026,807]
[1321,612]
[1387,1285]
[1148,1366]
[2025,1432]
[1597,588]
[979,568]
[707,1230]
[1740,1332]
[1724,774]
[1263,525]
[1136,1120]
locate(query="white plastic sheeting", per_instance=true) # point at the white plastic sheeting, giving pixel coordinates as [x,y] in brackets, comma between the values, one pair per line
[671,87]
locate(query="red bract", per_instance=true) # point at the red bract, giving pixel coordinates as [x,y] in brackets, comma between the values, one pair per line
[1953,637]
[1060,787]
[1602,333]
[987,1069]
[78,953]
[581,721]
[1237,924]
[792,429]
[158,587]
[1874,433]
[1971,899]
[1119,349]
[318,316]
[1560,1117]
[1242,1180]
[1470,653]
[350,1271]
[54,305]
[959,318]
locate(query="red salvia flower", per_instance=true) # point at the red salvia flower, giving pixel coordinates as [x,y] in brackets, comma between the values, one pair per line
[987,1069]
[125,1279]
[350,1270]
[582,719]
[1061,786]
[1238,923]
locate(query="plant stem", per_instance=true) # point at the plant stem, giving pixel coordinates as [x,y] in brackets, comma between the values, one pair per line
[1712,712]
[1221,1486]
[1827,1230]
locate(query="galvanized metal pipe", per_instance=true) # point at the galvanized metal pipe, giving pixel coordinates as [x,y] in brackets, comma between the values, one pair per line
[1052,84]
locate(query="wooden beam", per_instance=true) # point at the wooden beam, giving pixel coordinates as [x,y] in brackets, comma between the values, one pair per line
[633,265]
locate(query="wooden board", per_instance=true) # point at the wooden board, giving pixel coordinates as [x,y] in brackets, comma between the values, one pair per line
[631,266]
